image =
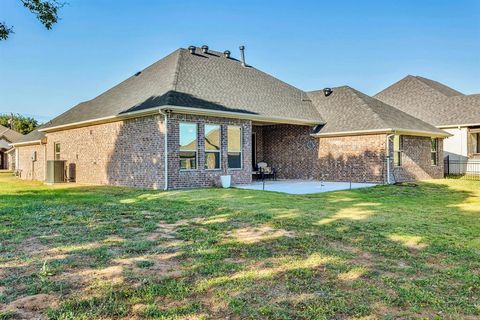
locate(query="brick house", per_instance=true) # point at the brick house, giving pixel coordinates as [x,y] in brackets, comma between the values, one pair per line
[447,109]
[7,136]
[197,114]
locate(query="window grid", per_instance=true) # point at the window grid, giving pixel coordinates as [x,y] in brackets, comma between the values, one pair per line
[397,150]
[188,151]
[235,147]
[434,152]
[57,150]
[213,146]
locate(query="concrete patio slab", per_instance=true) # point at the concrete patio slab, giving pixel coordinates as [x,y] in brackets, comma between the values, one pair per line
[303,186]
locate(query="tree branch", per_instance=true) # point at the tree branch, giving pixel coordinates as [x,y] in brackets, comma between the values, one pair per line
[5,31]
[45,10]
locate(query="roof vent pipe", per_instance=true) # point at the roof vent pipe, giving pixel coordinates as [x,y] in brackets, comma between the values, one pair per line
[205,49]
[327,91]
[192,49]
[242,55]
[226,53]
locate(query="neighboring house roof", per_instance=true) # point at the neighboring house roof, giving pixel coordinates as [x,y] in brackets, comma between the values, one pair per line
[432,101]
[198,81]
[347,110]
[9,134]
[33,137]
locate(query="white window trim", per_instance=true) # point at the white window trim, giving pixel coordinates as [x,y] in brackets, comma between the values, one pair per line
[212,151]
[241,148]
[55,151]
[436,153]
[196,149]
[399,151]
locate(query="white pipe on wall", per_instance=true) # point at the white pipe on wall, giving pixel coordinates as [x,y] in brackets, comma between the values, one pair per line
[165,151]
[388,157]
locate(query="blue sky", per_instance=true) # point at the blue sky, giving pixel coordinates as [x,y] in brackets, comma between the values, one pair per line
[310,44]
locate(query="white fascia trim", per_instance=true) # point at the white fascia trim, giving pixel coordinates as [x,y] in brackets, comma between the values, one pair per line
[185,110]
[123,116]
[458,125]
[377,131]
[27,143]
[238,115]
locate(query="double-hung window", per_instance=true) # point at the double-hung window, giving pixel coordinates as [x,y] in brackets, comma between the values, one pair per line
[434,152]
[212,147]
[235,141]
[188,146]
[397,150]
[57,150]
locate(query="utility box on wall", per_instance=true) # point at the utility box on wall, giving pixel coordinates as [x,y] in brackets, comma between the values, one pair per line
[55,171]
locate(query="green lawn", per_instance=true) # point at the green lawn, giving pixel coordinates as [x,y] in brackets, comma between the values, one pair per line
[387,252]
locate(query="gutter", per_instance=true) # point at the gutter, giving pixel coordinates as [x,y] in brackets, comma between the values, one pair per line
[387,131]
[27,143]
[450,126]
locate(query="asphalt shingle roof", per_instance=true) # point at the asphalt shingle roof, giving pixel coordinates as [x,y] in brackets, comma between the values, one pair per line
[205,81]
[35,135]
[432,101]
[347,110]
[9,134]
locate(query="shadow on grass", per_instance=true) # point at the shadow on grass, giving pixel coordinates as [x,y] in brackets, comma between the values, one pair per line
[397,250]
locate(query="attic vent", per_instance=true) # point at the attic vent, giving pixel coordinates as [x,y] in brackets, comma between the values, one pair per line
[327,91]
[192,49]
[226,53]
[205,49]
[138,73]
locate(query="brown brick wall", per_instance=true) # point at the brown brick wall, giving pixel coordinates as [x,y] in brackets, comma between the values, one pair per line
[201,177]
[31,170]
[416,160]
[353,158]
[126,153]
[130,153]
[291,151]
[295,155]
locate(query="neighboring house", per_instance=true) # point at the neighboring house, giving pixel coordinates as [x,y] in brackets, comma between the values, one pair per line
[7,136]
[444,107]
[30,154]
[198,114]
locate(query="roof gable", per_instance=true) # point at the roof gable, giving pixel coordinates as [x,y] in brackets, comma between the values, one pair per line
[431,101]
[9,134]
[349,110]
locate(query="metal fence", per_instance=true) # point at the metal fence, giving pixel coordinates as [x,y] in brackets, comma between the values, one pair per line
[462,169]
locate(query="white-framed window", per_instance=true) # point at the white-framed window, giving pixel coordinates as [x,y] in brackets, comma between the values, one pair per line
[57,149]
[397,150]
[235,147]
[188,145]
[476,141]
[213,153]
[434,152]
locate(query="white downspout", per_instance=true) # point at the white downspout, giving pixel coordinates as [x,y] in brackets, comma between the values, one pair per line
[165,151]
[388,157]
[45,162]
[17,159]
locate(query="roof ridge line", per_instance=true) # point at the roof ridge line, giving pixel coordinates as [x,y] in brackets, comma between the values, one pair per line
[177,69]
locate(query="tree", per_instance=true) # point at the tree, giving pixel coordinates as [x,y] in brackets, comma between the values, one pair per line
[20,123]
[45,10]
